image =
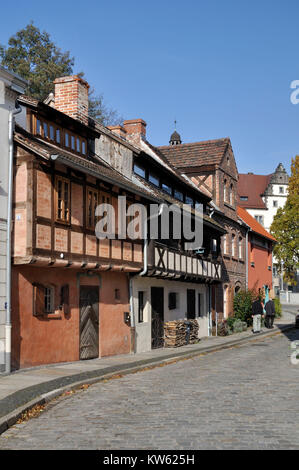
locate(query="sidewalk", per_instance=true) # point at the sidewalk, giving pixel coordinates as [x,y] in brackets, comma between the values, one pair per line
[23,389]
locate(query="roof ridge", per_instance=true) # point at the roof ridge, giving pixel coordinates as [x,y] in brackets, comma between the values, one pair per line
[175,147]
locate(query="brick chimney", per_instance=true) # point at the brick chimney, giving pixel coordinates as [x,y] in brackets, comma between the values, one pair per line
[119,130]
[135,129]
[71,97]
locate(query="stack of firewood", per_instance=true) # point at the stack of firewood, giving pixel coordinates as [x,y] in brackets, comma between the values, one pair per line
[194,331]
[175,333]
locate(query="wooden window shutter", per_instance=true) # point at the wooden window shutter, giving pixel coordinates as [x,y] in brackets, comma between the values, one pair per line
[65,299]
[38,300]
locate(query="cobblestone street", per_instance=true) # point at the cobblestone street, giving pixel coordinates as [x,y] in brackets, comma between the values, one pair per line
[239,398]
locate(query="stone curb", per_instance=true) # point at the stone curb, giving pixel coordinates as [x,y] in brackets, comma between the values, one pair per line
[43,393]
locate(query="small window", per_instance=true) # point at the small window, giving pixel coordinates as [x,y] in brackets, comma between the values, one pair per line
[83,147]
[154,180]
[178,195]
[233,245]
[281,190]
[189,201]
[243,198]
[38,126]
[140,306]
[49,300]
[214,245]
[224,191]
[67,139]
[91,205]
[225,251]
[172,300]
[51,132]
[78,145]
[62,199]
[240,248]
[275,204]
[260,219]
[58,136]
[45,128]
[231,195]
[73,142]
[139,170]
[166,188]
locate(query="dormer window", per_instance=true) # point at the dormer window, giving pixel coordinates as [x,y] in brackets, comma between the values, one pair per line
[189,201]
[45,127]
[139,170]
[178,195]
[55,134]
[154,180]
[166,188]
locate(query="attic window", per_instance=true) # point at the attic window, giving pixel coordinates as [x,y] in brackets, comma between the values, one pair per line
[243,198]
[178,195]
[189,201]
[139,170]
[166,188]
[154,179]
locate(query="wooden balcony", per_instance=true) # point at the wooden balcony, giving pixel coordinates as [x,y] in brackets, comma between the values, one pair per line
[167,262]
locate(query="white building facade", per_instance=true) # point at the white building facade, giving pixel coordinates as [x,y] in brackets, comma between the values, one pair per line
[10,87]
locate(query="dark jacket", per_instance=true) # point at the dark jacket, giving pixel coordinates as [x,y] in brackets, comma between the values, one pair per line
[257,308]
[270,308]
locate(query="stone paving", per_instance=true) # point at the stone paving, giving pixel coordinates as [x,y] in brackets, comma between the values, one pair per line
[245,397]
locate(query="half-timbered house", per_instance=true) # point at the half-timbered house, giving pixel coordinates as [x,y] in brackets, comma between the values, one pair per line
[70,289]
[175,284]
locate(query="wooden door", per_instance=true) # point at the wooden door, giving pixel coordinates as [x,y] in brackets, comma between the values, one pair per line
[157,301]
[89,322]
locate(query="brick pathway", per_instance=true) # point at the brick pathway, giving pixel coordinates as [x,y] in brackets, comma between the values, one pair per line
[240,398]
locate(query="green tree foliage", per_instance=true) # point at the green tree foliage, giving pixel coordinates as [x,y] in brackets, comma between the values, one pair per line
[243,305]
[285,228]
[34,56]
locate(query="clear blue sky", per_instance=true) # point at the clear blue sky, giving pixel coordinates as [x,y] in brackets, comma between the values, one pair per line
[220,67]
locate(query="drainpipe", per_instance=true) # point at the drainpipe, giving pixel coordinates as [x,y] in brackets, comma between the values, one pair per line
[8,239]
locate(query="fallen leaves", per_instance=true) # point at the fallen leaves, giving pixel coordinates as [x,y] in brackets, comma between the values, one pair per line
[32,413]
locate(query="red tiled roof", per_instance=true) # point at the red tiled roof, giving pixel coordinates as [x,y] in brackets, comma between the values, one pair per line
[209,152]
[252,187]
[253,224]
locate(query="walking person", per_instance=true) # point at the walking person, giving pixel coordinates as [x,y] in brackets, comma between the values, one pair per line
[270,313]
[257,314]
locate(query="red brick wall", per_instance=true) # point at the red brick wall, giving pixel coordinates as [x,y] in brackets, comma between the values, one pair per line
[41,340]
[71,97]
